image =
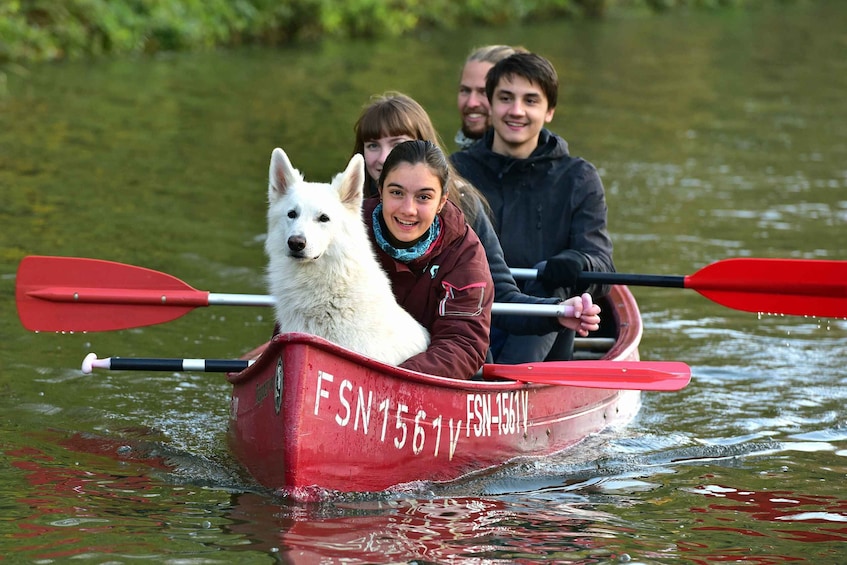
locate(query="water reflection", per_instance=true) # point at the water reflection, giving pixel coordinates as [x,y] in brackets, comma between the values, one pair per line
[458,530]
[59,507]
[794,516]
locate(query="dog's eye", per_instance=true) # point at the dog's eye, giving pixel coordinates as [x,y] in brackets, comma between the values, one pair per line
[323,218]
[292,214]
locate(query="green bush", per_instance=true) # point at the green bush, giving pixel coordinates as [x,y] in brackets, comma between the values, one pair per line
[42,30]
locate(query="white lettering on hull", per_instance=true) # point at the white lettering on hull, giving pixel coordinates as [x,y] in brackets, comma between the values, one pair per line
[406,427]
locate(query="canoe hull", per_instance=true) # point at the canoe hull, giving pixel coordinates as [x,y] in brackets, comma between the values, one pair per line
[310,414]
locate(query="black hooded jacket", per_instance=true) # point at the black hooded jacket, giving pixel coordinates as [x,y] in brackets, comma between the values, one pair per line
[546,205]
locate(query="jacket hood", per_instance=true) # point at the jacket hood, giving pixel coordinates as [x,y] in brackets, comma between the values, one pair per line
[550,147]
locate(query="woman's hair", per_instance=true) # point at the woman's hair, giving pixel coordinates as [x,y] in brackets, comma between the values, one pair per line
[415,153]
[390,115]
[393,114]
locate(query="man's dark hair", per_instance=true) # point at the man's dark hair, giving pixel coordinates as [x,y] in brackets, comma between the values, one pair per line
[534,68]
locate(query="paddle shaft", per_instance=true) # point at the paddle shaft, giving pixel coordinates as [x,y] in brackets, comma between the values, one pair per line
[91,362]
[149,297]
[799,287]
[79,294]
[670,281]
[628,375]
[827,289]
[198,298]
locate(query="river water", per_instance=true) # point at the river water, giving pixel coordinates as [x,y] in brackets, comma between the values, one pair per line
[717,135]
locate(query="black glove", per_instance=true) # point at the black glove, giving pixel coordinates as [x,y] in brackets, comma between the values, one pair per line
[562,271]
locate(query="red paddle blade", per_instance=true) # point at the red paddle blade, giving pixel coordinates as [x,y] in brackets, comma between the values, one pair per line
[56,294]
[797,287]
[628,375]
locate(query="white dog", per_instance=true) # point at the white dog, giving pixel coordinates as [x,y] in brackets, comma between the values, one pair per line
[322,270]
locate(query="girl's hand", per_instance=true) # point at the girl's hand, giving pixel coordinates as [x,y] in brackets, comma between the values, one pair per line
[586,315]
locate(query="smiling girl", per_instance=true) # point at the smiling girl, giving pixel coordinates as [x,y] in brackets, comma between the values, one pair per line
[436,263]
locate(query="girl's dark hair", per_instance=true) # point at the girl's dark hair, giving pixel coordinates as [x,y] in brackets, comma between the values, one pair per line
[417,152]
[534,68]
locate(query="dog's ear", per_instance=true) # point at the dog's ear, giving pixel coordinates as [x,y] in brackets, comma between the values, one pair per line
[281,175]
[352,185]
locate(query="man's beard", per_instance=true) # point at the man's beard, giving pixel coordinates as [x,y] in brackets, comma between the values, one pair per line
[472,134]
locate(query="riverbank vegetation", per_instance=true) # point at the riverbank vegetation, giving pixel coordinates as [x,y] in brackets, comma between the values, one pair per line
[46,30]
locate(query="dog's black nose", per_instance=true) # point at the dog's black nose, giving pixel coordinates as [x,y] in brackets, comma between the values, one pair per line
[296,243]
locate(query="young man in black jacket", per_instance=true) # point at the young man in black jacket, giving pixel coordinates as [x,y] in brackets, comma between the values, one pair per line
[549,208]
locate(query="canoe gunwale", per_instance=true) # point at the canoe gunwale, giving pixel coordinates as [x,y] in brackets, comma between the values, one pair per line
[624,348]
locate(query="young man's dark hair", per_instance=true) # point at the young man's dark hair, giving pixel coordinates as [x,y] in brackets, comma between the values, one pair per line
[535,68]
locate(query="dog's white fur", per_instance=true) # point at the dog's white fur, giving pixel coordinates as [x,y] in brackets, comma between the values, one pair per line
[322,271]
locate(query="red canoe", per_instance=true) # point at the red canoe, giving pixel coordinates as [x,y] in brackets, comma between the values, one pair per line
[308,414]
